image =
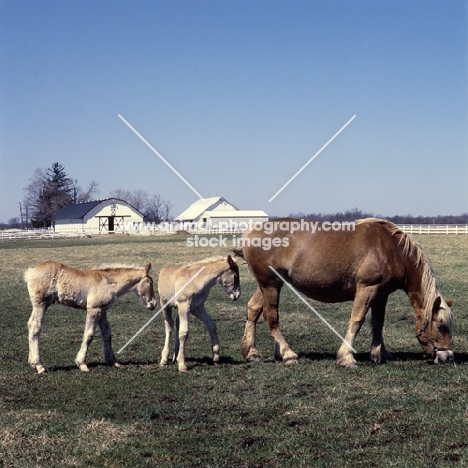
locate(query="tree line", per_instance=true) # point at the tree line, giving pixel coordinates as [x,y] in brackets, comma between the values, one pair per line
[50,189]
[352,215]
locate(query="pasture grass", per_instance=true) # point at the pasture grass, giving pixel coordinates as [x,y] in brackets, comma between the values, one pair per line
[407,413]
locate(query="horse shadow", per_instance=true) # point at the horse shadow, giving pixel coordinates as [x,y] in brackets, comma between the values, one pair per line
[460,358]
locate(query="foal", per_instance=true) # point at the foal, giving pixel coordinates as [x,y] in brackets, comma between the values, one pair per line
[92,290]
[187,288]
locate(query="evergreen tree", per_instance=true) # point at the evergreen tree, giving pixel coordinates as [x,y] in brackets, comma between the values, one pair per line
[48,192]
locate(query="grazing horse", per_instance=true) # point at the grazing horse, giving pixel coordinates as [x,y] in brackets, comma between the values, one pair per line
[92,290]
[365,265]
[187,288]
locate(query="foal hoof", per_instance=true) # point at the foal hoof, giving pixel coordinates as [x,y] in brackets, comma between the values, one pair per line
[83,368]
[290,361]
[117,364]
[347,361]
[253,356]
[40,369]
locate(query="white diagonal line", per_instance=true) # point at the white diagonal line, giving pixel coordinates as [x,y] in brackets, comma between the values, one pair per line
[311,308]
[160,310]
[160,157]
[312,158]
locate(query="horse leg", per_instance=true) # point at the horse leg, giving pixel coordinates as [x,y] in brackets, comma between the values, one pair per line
[169,327]
[345,355]
[270,312]
[183,330]
[92,319]
[106,335]
[210,325]
[34,330]
[254,309]
[378,352]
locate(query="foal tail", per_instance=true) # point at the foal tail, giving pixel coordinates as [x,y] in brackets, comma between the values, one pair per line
[27,275]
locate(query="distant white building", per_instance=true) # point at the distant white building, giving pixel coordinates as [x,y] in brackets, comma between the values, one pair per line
[217,212]
[97,217]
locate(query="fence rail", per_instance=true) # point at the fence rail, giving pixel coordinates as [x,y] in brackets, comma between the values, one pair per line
[42,234]
[434,228]
[37,234]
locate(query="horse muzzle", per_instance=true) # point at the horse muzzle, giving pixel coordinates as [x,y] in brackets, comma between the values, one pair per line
[444,357]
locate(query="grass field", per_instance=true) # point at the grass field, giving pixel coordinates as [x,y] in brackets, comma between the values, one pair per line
[407,413]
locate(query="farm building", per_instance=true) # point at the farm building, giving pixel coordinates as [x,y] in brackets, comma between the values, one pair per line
[106,216]
[217,212]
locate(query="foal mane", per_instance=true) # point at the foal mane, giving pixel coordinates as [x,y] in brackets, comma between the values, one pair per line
[119,266]
[216,258]
[412,250]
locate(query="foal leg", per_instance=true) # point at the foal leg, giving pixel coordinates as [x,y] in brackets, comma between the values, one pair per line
[92,319]
[169,327]
[106,336]
[378,352]
[34,330]
[345,355]
[270,311]
[210,325]
[183,333]
[254,309]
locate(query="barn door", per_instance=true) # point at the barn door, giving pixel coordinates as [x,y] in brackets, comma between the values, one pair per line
[111,223]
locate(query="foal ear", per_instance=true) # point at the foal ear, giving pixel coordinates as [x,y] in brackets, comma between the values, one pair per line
[230,260]
[147,269]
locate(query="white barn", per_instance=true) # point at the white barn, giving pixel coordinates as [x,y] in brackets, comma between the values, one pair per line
[217,212]
[106,216]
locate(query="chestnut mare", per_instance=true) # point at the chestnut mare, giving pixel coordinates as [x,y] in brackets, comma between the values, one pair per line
[92,290]
[190,298]
[364,265]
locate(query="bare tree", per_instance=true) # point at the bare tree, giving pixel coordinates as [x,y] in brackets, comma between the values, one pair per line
[157,209]
[139,200]
[121,194]
[154,208]
[81,196]
[34,201]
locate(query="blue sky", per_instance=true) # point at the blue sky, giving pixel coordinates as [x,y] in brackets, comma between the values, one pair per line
[237,96]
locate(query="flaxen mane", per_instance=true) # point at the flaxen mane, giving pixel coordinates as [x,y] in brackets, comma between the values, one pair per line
[428,278]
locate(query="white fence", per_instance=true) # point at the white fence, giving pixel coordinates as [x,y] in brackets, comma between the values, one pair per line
[434,228]
[20,234]
[38,234]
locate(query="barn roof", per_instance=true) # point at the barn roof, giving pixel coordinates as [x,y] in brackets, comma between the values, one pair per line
[194,211]
[79,210]
[235,214]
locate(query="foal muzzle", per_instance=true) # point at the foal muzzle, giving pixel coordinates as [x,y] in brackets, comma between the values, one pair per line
[235,295]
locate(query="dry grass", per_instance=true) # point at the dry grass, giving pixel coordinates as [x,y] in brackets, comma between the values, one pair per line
[236,414]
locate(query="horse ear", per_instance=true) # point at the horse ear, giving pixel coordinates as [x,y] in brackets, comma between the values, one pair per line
[449,302]
[230,260]
[147,269]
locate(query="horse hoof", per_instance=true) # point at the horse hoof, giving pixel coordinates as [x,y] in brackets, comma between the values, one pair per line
[117,364]
[40,369]
[83,368]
